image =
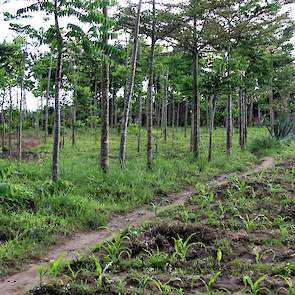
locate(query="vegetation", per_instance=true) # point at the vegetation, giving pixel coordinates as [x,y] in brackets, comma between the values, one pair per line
[135,101]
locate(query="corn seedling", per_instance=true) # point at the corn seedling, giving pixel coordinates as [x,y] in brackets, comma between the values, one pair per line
[55,266]
[164,288]
[155,209]
[219,258]
[143,283]
[100,271]
[181,247]
[42,271]
[115,249]
[255,285]
[157,259]
[290,286]
[73,274]
[249,223]
[259,255]
[211,281]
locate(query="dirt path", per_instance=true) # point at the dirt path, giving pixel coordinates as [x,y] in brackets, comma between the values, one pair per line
[82,243]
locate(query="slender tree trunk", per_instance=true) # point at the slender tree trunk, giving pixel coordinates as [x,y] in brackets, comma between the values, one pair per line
[186,119]
[73,124]
[56,134]
[178,115]
[150,93]
[164,109]
[10,124]
[229,117]
[196,109]
[173,122]
[104,153]
[3,126]
[208,115]
[251,115]
[139,124]
[271,111]
[47,101]
[212,118]
[259,116]
[20,122]
[129,90]
[63,125]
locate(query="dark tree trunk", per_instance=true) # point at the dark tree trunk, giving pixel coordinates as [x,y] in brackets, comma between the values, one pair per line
[104,152]
[56,134]
[150,93]
[47,100]
[212,118]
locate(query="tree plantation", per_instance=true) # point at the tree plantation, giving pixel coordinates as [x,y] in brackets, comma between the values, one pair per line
[147,147]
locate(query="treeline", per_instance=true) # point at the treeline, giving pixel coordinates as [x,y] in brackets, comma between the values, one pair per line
[197,63]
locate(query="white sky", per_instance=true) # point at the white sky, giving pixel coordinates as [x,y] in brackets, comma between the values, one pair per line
[13,5]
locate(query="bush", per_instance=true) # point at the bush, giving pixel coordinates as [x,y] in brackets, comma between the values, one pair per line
[261,146]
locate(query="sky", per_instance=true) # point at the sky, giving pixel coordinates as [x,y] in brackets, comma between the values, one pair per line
[13,5]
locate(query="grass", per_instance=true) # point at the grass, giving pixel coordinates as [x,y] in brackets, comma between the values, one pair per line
[35,212]
[212,252]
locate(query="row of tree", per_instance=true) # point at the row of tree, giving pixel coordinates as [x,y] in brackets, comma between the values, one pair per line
[191,64]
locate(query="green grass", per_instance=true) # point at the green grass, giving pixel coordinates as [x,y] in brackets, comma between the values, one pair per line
[34,212]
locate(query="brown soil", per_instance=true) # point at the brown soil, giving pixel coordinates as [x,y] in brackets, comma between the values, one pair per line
[29,142]
[82,243]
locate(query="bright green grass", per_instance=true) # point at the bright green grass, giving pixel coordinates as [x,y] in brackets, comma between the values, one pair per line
[33,211]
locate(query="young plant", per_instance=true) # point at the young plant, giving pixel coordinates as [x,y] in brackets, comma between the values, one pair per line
[164,288]
[42,271]
[255,285]
[250,223]
[115,248]
[100,271]
[157,259]
[143,283]
[219,258]
[73,274]
[211,281]
[181,247]
[290,286]
[55,266]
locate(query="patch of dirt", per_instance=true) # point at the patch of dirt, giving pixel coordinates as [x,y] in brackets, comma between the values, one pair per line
[29,142]
[82,242]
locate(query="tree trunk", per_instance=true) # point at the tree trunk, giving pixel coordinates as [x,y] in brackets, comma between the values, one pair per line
[139,124]
[104,152]
[164,109]
[3,126]
[20,122]
[47,100]
[196,109]
[10,124]
[173,122]
[150,93]
[129,90]
[212,118]
[186,119]
[56,134]
[73,124]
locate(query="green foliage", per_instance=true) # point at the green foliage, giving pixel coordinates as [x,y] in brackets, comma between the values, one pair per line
[264,145]
[284,128]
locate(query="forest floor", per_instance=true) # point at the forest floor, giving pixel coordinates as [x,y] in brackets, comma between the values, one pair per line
[36,214]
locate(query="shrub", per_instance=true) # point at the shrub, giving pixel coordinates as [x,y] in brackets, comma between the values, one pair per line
[260,146]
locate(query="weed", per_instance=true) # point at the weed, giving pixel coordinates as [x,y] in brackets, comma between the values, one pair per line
[100,271]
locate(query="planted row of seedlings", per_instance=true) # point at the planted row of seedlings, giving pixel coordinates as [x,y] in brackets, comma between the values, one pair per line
[236,239]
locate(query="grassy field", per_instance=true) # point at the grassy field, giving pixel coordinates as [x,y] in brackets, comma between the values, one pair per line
[34,212]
